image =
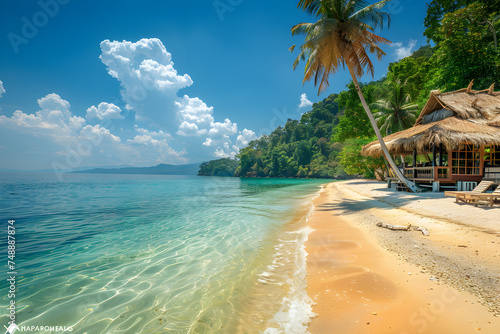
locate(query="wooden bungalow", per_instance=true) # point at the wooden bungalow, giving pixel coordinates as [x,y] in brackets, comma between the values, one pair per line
[459,134]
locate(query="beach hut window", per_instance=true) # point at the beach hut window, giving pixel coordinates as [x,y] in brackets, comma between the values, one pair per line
[467,160]
[492,156]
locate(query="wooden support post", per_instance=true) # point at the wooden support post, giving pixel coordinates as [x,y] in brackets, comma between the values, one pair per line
[433,155]
[435,186]
[414,164]
[440,164]
[482,153]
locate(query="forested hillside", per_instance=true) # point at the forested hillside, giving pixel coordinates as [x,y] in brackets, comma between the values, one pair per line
[326,142]
[220,167]
[300,148]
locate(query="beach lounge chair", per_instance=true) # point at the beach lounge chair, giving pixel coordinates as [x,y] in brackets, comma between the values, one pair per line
[465,196]
[486,198]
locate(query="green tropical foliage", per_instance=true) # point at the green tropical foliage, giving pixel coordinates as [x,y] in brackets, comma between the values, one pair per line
[327,140]
[416,72]
[437,9]
[396,111]
[357,164]
[467,49]
[354,122]
[220,167]
[299,149]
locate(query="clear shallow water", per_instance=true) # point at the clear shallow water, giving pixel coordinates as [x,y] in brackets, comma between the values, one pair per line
[155,254]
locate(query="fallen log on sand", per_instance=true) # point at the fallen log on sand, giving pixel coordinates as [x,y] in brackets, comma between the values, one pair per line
[394,227]
[404,228]
[423,230]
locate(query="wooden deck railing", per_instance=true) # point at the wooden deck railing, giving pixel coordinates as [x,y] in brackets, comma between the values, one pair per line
[442,173]
[492,172]
[427,173]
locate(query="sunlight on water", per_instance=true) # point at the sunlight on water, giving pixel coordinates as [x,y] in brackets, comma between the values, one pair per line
[153,254]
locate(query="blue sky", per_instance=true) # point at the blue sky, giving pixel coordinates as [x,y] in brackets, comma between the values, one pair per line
[100,83]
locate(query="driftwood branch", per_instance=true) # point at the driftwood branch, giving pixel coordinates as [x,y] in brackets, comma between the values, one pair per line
[394,227]
[423,230]
[404,228]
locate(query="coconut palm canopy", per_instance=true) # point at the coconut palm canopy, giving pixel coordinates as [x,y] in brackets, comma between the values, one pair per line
[343,35]
[449,118]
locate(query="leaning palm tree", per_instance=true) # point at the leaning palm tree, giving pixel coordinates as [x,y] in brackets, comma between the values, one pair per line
[343,35]
[396,113]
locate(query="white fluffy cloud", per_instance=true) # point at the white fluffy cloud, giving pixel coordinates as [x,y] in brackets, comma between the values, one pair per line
[219,136]
[223,130]
[66,141]
[158,141]
[186,127]
[195,115]
[54,119]
[208,142]
[402,51]
[228,150]
[150,86]
[197,120]
[104,111]
[98,131]
[304,102]
[220,153]
[63,140]
[147,76]
[155,134]
[195,111]
[245,137]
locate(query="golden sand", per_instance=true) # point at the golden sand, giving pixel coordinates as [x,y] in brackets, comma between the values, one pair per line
[358,286]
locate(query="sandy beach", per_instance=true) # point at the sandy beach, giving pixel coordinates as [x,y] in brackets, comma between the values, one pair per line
[367,279]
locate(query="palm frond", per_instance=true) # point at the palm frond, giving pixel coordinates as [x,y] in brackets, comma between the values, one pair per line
[342,36]
[312,7]
[375,19]
[362,7]
[302,28]
[396,113]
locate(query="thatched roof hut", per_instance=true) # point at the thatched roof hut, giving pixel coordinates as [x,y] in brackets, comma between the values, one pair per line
[449,119]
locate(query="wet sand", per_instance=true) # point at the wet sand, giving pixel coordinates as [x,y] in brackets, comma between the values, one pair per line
[364,279]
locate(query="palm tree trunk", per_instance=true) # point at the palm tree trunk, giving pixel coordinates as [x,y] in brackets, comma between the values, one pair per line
[492,28]
[388,157]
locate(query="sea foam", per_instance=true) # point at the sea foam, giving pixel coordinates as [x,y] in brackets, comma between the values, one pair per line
[296,311]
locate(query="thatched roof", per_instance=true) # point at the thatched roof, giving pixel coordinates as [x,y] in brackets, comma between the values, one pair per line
[495,121]
[449,119]
[466,103]
[450,132]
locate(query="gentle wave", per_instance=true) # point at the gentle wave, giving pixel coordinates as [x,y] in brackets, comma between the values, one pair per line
[150,254]
[296,312]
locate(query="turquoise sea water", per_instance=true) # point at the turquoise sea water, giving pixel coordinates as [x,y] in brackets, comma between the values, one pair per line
[158,254]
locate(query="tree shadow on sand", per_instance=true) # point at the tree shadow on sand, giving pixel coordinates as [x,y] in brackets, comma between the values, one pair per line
[386,200]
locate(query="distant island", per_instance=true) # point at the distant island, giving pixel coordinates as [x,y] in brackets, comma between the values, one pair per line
[161,169]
